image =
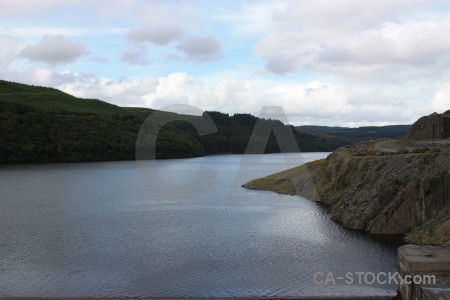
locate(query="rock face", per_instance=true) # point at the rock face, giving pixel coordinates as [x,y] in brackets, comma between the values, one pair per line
[434,126]
[398,191]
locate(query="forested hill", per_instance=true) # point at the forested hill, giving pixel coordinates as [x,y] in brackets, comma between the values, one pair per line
[354,135]
[39,124]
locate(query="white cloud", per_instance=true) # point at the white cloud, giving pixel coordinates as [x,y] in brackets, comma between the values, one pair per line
[252,18]
[282,64]
[38,76]
[158,35]
[30,7]
[378,61]
[413,43]
[357,40]
[36,31]
[314,102]
[440,102]
[201,48]
[54,50]
[346,14]
[9,50]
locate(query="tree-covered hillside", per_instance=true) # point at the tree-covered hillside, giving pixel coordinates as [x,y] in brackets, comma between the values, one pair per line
[39,124]
[234,134]
[354,135]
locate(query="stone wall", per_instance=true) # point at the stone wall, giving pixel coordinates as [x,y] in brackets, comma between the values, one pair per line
[429,263]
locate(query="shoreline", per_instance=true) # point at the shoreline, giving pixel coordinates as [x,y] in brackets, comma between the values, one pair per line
[400,191]
[159,159]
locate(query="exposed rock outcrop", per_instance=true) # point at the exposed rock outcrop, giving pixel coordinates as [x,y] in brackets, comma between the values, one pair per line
[434,126]
[382,187]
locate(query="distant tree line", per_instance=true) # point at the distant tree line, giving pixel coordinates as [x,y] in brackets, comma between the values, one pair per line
[354,135]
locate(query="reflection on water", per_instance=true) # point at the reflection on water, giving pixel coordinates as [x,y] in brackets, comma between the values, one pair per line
[156,229]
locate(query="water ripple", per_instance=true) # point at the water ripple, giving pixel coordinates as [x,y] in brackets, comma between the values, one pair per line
[97,230]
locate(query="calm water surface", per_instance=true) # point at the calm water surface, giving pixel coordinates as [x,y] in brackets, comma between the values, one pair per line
[173,228]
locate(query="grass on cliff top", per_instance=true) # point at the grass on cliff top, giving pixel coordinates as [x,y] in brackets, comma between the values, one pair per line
[283,181]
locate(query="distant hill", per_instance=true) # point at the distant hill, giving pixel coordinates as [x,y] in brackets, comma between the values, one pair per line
[234,133]
[40,124]
[354,135]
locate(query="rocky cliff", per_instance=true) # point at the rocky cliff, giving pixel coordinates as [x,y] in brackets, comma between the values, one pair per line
[382,187]
[434,126]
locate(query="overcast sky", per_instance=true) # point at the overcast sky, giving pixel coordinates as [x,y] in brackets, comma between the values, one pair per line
[326,62]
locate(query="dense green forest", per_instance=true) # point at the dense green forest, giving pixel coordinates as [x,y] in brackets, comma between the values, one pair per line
[354,135]
[234,133]
[39,124]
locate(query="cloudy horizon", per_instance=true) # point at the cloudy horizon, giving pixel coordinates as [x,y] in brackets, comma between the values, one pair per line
[338,63]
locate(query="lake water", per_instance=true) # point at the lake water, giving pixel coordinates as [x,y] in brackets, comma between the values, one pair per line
[180,227]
